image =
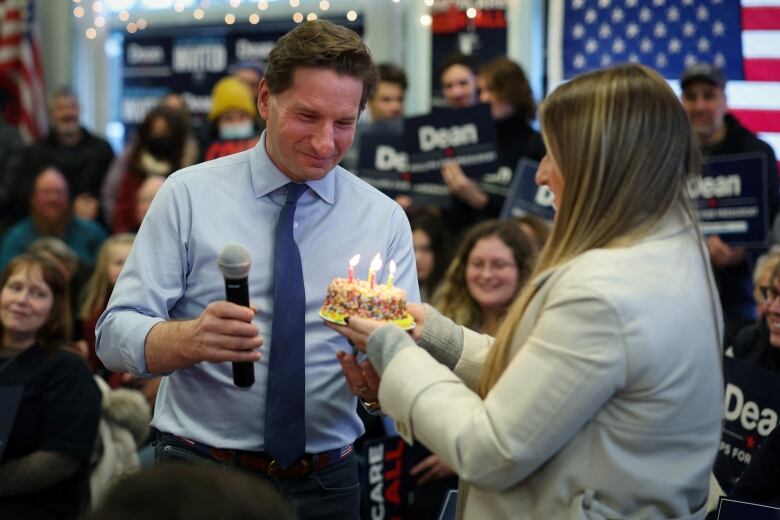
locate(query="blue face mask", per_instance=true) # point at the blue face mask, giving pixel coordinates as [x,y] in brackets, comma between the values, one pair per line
[243,130]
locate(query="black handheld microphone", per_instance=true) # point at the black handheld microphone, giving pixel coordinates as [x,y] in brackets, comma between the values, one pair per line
[234,262]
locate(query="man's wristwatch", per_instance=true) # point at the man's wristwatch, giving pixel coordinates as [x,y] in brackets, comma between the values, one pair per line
[373,407]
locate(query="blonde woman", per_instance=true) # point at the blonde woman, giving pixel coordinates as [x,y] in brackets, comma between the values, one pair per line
[111,257]
[601,396]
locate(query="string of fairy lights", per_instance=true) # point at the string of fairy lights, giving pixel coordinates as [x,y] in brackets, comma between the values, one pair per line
[97,15]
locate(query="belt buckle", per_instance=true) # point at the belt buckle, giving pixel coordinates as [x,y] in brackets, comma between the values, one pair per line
[276,471]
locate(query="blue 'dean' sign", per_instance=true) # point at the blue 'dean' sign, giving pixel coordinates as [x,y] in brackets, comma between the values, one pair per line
[732,198]
[751,405]
[384,164]
[465,135]
[525,197]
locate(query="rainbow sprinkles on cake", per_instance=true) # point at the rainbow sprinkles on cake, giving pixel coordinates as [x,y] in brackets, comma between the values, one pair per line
[366,298]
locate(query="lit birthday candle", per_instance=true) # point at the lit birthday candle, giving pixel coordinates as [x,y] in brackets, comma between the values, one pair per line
[391,276]
[376,265]
[352,263]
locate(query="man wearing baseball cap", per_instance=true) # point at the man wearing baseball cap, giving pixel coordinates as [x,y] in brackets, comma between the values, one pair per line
[704,98]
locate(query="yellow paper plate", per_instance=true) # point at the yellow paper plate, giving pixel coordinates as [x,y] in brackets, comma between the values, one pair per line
[406,323]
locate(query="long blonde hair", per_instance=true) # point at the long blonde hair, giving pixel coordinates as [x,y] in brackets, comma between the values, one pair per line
[625,150]
[98,289]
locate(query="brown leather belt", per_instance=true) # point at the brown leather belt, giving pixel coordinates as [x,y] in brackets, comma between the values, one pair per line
[261,461]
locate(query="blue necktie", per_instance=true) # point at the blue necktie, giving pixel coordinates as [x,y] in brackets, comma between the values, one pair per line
[285,429]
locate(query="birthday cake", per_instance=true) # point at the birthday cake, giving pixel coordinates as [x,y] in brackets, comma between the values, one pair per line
[358,298]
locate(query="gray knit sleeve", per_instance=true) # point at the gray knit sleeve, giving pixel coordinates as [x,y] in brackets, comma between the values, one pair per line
[384,343]
[442,338]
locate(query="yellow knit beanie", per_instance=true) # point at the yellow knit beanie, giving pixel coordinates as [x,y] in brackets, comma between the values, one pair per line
[231,93]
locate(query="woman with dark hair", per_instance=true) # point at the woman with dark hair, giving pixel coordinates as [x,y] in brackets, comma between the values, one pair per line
[158,150]
[50,403]
[431,252]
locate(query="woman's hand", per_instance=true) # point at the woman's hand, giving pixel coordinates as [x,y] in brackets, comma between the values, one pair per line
[418,313]
[357,330]
[362,379]
[431,469]
[463,187]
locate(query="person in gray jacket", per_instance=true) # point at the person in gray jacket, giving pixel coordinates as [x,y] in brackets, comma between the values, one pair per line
[602,394]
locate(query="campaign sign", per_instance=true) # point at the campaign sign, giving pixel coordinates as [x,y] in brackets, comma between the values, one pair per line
[525,197]
[450,506]
[10,397]
[190,60]
[465,135]
[732,197]
[752,401]
[387,482]
[383,163]
[735,510]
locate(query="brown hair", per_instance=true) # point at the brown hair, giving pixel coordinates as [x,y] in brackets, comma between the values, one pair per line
[508,81]
[603,130]
[390,73]
[324,45]
[457,59]
[98,289]
[56,330]
[453,298]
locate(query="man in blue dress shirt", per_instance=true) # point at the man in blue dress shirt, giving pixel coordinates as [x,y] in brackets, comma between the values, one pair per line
[167,314]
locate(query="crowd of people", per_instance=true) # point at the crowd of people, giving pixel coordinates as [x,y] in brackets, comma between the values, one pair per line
[556,368]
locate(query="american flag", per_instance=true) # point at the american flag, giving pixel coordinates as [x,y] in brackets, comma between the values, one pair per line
[743,38]
[21,70]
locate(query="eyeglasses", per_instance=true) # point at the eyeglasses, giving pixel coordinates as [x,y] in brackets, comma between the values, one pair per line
[768,294]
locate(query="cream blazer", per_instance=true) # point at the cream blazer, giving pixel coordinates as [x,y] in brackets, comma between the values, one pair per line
[612,402]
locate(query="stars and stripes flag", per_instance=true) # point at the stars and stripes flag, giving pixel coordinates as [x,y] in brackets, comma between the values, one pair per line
[22,96]
[741,37]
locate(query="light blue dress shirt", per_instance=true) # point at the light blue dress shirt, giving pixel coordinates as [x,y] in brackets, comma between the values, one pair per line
[172,274]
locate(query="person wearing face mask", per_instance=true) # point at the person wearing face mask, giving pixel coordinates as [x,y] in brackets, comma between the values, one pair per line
[232,118]
[158,150]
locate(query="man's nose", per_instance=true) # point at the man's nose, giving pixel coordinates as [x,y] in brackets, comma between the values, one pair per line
[323,140]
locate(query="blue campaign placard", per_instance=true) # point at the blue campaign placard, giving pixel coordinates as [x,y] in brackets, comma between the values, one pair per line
[751,403]
[450,505]
[10,397]
[383,162]
[732,198]
[525,197]
[465,135]
[736,510]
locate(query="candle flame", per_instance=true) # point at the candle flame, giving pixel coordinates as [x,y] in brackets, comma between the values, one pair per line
[354,260]
[391,267]
[376,263]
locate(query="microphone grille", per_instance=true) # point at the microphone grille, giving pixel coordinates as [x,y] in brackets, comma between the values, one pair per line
[234,261]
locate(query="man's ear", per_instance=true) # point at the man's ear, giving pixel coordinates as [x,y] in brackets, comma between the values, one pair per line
[263,98]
